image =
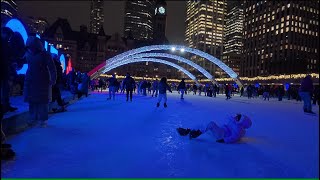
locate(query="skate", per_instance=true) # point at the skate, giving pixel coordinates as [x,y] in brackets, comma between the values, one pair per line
[158,104]
[165,105]
[183,132]
[194,134]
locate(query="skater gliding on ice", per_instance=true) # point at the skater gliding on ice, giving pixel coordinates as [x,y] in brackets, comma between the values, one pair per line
[163,87]
[228,133]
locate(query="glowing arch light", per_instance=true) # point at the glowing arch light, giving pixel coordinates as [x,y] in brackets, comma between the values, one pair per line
[53,50]
[128,61]
[23,70]
[171,56]
[63,62]
[46,45]
[16,26]
[202,54]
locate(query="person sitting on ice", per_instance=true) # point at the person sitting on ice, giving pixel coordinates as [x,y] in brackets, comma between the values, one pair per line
[228,133]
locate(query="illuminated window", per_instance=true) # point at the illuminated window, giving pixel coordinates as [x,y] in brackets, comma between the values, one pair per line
[273,17]
[277,26]
[287,29]
[281,31]
[282,24]
[276,32]
[272,28]
[287,23]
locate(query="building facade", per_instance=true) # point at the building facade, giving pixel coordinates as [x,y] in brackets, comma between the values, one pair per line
[9,10]
[281,37]
[205,26]
[138,21]
[96,16]
[160,23]
[233,48]
[88,50]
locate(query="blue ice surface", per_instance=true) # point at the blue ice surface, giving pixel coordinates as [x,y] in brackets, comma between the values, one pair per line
[97,138]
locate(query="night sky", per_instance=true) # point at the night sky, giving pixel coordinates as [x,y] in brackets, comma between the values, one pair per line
[78,13]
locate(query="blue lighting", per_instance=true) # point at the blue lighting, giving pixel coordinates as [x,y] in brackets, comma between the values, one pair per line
[63,62]
[23,70]
[16,26]
[46,45]
[53,50]
[38,36]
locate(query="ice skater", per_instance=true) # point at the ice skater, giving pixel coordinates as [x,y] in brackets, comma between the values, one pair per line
[228,133]
[182,88]
[163,87]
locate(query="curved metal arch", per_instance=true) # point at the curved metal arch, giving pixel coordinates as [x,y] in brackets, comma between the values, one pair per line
[171,56]
[128,61]
[207,56]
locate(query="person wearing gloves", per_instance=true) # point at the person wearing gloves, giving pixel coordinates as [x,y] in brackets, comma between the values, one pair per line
[228,133]
[163,87]
[40,76]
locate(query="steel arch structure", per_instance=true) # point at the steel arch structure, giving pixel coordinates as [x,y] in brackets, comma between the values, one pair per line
[202,54]
[128,61]
[166,55]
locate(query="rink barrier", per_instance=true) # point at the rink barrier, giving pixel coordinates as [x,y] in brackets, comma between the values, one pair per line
[18,123]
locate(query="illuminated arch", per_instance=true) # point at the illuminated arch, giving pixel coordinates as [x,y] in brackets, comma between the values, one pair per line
[63,62]
[16,26]
[171,56]
[202,54]
[128,61]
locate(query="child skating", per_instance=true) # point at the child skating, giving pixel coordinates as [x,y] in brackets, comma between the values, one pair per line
[228,133]
[163,87]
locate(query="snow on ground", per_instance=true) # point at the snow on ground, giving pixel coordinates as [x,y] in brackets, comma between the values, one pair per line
[100,138]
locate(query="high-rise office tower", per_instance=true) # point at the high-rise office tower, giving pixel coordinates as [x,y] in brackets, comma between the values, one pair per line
[8,10]
[233,50]
[281,37]
[96,16]
[205,25]
[138,21]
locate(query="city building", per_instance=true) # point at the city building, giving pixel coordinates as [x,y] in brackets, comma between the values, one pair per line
[160,22]
[281,38]
[138,20]
[233,48]
[96,16]
[35,25]
[205,26]
[9,10]
[88,50]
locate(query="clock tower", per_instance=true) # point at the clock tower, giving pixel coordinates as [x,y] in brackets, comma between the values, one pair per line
[160,19]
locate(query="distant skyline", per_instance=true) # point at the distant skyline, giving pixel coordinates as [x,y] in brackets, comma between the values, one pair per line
[78,13]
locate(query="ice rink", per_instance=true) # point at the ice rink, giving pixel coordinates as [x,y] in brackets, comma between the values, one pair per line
[101,138]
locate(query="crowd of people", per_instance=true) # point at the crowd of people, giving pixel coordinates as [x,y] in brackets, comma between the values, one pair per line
[40,86]
[44,80]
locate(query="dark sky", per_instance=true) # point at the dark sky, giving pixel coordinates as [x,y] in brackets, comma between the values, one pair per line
[77,12]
